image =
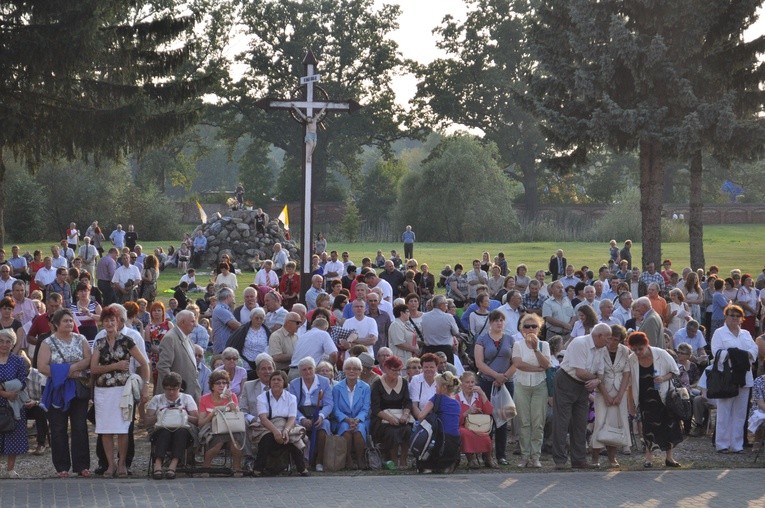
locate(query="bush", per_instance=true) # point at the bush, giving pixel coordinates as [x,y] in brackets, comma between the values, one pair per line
[623,219]
[24,200]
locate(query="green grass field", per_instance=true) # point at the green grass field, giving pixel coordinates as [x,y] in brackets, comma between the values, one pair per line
[730,246]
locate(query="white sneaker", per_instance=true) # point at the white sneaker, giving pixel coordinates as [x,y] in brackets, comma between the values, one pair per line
[319,468]
[534,463]
[12,474]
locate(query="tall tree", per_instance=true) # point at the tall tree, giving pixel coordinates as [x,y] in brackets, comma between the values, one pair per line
[94,77]
[729,99]
[614,72]
[357,59]
[479,85]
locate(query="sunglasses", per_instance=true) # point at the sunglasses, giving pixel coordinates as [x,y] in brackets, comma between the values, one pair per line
[530,327]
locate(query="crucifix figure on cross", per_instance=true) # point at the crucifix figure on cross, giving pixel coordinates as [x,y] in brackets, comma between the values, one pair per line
[310,112]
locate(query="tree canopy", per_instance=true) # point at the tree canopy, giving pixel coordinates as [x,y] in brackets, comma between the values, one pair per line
[460,195]
[95,77]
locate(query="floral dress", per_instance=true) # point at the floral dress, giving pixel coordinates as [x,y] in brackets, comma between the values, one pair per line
[14,442]
[110,355]
[156,333]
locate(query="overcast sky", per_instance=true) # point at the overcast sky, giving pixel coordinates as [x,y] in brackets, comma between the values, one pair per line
[416,41]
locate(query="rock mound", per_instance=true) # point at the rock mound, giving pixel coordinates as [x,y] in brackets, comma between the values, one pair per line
[236,235]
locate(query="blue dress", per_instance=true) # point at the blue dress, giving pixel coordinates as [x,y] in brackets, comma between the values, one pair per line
[16,442]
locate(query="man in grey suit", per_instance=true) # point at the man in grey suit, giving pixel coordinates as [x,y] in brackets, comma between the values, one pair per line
[176,354]
[652,324]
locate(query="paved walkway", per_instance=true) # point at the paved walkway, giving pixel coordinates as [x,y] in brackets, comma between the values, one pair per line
[692,489]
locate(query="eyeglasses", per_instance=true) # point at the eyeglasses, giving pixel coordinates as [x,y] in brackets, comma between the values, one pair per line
[231,358]
[221,382]
[530,327]
[734,315]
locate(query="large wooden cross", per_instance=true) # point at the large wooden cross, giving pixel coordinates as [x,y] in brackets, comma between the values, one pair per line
[309,111]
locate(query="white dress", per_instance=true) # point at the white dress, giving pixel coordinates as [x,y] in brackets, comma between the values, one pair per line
[611,376]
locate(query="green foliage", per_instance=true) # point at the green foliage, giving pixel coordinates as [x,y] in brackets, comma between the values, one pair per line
[379,192]
[482,85]
[289,184]
[621,221]
[24,197]
[351,223]
[357,59]
[461,194]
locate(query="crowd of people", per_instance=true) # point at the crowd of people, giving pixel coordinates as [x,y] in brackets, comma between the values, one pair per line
[589,357]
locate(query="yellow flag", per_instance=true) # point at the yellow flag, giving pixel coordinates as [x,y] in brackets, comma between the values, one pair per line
[202,214]
[284,217]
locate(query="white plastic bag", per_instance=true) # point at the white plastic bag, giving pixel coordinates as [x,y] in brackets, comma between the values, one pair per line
[504,407]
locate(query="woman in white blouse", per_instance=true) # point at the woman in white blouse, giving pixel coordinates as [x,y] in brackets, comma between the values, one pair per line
[532,358]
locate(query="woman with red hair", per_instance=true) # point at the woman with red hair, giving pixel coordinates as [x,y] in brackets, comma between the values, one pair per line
[652,370]
[391,410]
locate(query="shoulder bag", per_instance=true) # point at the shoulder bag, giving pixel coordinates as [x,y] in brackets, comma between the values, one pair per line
[478,423]
[7,420]
[611,435]
[678,401]
[720,384]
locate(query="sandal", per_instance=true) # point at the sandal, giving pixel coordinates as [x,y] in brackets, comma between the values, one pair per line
[238,473]
[63,474]
[647,465]
[85,473]
[672,463]
[170,474]
[614,465]
[109,473]
[157,474]
[122,473]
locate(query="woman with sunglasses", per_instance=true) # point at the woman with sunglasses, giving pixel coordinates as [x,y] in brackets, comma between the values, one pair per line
[531,357]
[732,413]
[220,396]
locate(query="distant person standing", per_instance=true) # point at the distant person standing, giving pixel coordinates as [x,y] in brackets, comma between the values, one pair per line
[625,254]
[118,237]
[72,236]
[408,237]
[131,238]
[239,193]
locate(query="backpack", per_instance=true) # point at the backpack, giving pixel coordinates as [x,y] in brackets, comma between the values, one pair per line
[427,435]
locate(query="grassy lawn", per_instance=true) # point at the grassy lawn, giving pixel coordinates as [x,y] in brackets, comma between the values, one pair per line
[730,246]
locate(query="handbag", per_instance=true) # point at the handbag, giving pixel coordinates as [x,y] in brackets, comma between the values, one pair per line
[373,455]
[7,420]
[335,451]
[478,423]
[82,389]
[678,401]
[396,413]
[228,422]
[172,418]
[610,435]
[720,385]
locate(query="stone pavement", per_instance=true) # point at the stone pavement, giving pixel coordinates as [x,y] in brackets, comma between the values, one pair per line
[649,489]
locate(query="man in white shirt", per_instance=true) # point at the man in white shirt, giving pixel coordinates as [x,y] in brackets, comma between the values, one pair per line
[242,314]
[266,276]
[6,281]
[46,274]
[275,313]
[280,259]
[623,307]
[25,309]
[540,276]
[57,260]
[364,326]
[334,269]
[589,299]
[692,336]
[570,279]
[88,254]
[575,379]
[316,343]
[125,280]
[512,311]
[373,281]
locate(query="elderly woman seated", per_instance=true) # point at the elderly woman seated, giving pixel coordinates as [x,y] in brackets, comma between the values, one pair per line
[237,374]
[391,412]
[314,407]
[170,441]
[277,410]
[352,399]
